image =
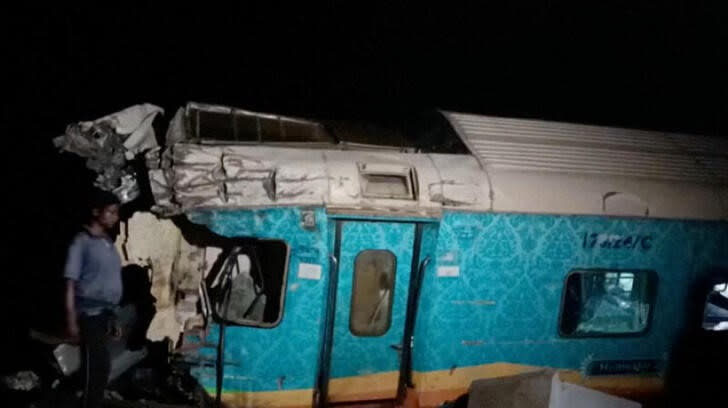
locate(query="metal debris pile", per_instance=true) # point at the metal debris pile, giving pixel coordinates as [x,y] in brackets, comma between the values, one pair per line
[110,143]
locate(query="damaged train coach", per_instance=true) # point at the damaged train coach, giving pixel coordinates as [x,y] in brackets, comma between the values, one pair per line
[340,272]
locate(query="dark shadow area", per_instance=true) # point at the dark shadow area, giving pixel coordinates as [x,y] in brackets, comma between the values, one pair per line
[698,370]
[137,291]
[44,375]
[46,211]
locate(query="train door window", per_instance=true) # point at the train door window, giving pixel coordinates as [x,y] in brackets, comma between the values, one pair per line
[715,315]
[607,302]
[372,293]
[246,285]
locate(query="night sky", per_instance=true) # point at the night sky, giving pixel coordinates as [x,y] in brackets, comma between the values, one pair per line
[655,65]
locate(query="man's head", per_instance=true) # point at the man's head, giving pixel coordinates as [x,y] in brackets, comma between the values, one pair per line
[105,209]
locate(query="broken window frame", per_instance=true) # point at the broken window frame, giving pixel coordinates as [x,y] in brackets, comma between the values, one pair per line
[650,296]
[717,289]
[319,133]
[213,303]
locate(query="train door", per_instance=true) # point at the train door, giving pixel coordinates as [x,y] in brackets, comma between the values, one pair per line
[374,271]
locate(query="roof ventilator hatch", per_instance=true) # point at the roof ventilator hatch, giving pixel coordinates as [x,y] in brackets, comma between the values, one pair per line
[393,181]
[624,204]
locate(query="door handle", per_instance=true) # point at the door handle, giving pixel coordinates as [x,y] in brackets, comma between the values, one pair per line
[397,347]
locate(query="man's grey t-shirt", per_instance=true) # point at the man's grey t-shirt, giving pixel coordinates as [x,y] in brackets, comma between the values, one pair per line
[95,266]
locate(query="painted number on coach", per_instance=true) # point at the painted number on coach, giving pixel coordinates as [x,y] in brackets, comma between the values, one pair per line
[612,241]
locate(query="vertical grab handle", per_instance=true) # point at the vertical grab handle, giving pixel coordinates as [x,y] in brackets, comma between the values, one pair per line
[410,341]
[320,395]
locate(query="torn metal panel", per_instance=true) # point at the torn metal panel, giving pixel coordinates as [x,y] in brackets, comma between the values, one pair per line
[109,142]
[189,267]
[462,182]
[245,178]
[152,242]
[176,130]
[102,148]
[164,325]
[162,192]
[215,158]
[136,123]
[202,176]
[291,183]
[132,126]
[453,194]
[233,174]
[176,268]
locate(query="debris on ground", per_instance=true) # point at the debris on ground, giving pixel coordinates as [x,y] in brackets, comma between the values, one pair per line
[529,389]
[21,381]
[536,389]
[152,383]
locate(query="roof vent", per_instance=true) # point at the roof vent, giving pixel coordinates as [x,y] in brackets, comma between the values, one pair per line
[616,203]
[391,181]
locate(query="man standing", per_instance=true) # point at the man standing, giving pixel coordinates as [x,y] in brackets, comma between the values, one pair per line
[93,291]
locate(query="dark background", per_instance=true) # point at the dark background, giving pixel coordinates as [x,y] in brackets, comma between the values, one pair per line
[655,65]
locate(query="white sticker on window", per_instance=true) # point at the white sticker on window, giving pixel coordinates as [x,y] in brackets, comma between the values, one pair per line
[309,271]
[448,271]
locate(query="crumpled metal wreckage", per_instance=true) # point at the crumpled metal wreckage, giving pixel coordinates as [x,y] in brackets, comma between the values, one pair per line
[109,144]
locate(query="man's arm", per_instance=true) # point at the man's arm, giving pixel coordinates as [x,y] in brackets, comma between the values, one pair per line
[70,302]
[72,273]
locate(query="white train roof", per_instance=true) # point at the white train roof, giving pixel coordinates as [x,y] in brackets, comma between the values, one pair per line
[550,167]
[195,176]
[526,166]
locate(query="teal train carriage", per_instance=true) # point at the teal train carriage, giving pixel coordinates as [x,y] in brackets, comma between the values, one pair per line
[350,272]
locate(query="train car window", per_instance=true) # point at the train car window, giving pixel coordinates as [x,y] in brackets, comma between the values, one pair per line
[715,315]
[607,302]
[373,290]
[247,287]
